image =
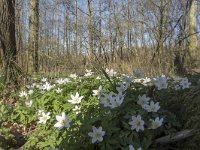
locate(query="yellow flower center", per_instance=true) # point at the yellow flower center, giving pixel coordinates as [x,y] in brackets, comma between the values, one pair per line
[44,118]
[98,135]
[138,123]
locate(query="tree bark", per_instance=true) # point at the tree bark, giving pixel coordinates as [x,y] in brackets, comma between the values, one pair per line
[76,27]
[8,41]
[193,41]
[99,32]
[90,29]
[34,32]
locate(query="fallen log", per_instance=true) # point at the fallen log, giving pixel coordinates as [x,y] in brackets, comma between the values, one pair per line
[175,137]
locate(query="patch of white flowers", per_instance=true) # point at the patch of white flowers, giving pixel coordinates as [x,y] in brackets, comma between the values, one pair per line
[107,99]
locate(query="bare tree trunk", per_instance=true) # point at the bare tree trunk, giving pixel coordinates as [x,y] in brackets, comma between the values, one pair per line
[164,9]
[34,32]
[67,31]
[90,29]
[193,41]
[100,38]
[18,31]
[76,27]
[8,40]
[110,34]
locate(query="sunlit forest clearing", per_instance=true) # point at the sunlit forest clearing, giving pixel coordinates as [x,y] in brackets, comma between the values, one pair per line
[99,74]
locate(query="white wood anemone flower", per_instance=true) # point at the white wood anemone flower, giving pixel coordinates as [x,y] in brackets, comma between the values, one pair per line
[47,86]
[88,73]
[110,72]
[116,101]
[143,100]
[106,100]
[156,123]
[98,78]
[97,134]
[161,82]
[137,123]
[29,103]
[58,90]
[98,92]
[74,76]
[152,107]
[23,94]
[61,81]
[122,87]
[30,92]
[132,148]
[185,84]
[44,117]
[44,79]
[39,113]
[62,121]
[75,99]
[77,109]
[127,79]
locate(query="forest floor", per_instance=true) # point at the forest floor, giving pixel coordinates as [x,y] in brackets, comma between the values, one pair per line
[99,100]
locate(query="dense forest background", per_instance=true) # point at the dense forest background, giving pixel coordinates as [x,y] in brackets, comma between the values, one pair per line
[157,36]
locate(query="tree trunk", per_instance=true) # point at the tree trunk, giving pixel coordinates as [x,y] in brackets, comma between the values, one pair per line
[76,27]
[99,32]
[8,40]
[193,41]
[90,29]
[34,32]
